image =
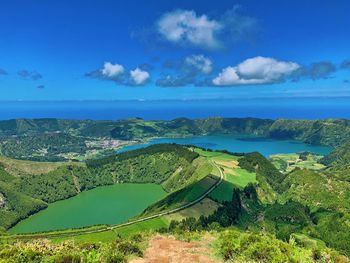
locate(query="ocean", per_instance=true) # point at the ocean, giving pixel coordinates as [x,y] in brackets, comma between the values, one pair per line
[271,108]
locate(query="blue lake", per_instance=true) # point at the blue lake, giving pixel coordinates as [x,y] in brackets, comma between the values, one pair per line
[239,143]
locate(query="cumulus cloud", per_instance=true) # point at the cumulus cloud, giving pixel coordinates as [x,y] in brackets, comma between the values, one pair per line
[199,62]
[33,75]
[3,72]
[315,71]
[112,71]
[139,76]
[186,27]
[109,71]
[119,75]
[257,70]
[186,71]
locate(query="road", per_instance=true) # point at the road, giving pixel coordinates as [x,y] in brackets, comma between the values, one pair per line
[109,228]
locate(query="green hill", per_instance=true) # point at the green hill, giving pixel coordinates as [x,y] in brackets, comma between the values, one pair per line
[338,161]
[172,166]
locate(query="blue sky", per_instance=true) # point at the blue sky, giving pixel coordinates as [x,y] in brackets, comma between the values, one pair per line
[76,50]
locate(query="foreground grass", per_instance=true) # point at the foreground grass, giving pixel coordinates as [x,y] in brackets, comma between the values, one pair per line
[231,245]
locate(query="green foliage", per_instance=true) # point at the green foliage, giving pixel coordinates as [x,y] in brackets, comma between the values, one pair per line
[5,176]
[240,246]
[255,162]
[325,132]
[16,205]
[42,147]
[334,230]
[154,164]
[56,185]
[316,189]
[288,218]
[339,161]
[68,252]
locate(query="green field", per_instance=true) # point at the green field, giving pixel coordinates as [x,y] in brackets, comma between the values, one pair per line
[288,162]
[234,176]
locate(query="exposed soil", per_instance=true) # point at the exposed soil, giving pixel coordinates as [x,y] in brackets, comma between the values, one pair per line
[230,164]
[169,250]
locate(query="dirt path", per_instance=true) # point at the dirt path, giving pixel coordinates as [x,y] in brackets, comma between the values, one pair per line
[169,250]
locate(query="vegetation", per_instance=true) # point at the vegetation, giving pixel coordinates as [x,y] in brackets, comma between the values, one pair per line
[241,246]
[58,140]
[172,166]
[15,206]
[44,251]
[291,208]
[286,163]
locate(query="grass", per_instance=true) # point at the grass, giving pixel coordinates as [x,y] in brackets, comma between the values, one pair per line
[112,235]
[288,162]
[240,179]
[205,207]
[234,176]
[199,188]
[22,168]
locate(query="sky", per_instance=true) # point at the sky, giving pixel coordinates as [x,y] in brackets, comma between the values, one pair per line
[166,50]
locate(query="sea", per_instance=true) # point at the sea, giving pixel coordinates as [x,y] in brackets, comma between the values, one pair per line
[269,108]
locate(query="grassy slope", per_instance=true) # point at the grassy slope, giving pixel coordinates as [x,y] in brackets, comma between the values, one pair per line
[23,168]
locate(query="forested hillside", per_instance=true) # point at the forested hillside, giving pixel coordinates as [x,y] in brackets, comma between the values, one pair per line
[172,166]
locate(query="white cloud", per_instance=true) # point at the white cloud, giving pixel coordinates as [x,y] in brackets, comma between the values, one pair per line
[200,62]
[139,77]
[183,26]
[112,70]
[257,70]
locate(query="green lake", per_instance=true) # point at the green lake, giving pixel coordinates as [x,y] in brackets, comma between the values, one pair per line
[103,205]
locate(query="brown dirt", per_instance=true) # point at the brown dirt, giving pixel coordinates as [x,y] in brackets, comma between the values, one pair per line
[230,164]
[169,250]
